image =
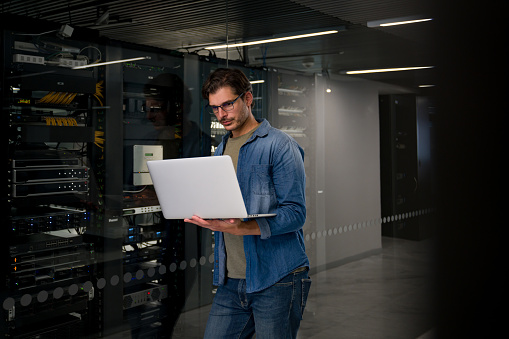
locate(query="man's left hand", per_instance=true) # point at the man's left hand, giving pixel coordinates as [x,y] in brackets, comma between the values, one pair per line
[232,226]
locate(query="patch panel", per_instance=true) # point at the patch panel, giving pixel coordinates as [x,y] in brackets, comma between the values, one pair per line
[49,222]
[142,210]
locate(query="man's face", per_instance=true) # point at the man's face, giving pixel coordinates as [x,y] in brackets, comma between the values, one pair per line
[235,119]
[156,112]
[163,113]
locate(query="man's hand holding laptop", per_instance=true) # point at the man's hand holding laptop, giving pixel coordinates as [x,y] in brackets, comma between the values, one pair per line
[232,225]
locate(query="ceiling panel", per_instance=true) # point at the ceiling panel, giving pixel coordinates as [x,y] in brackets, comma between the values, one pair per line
[181,24]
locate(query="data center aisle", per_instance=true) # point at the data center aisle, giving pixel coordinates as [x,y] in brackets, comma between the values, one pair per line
[388,295]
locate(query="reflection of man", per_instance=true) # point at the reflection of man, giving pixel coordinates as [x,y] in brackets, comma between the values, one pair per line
[157,113]
[260,264]
[168,103]
[165,100]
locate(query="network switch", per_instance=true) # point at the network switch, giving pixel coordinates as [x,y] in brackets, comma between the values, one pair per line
[53,174]
[44,241]
[142,210]
[46,162]
[54,265]
[49,221]
[149,293]
[49,188]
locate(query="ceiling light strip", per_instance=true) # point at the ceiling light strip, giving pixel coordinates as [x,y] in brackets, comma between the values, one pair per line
[404,22]
[110,62]
[412,19]
[266,41]
[382,70]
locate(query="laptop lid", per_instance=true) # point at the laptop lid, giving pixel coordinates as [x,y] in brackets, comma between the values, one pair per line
[203,186]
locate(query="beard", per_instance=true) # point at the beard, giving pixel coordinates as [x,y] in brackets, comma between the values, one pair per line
[235,122]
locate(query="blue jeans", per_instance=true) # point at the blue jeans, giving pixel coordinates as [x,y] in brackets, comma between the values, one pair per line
[274,312]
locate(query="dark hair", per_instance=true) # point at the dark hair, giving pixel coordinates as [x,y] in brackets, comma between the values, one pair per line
[222,77]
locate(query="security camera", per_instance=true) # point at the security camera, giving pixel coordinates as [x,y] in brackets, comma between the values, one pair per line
[65,31]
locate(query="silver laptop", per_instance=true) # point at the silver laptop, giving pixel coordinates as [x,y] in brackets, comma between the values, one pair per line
[204,186]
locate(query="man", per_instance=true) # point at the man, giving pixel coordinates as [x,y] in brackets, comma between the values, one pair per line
[261,268]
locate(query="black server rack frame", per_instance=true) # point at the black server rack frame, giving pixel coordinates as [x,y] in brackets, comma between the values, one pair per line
[48,264]
[402,192]
[153,96]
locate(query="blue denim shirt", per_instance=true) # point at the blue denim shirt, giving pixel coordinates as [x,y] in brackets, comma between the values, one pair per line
[270,171]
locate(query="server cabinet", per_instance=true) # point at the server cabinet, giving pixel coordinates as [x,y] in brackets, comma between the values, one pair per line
[162,118]
[89,253]
[403,183]
[49,262]
[152,96]
[292,105]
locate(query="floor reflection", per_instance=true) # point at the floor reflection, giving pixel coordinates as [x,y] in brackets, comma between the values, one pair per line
[387,295]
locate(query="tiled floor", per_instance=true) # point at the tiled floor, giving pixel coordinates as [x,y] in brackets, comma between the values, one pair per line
[387,295]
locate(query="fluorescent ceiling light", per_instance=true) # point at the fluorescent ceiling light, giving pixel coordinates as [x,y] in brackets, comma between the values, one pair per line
[426,86]
[266,41]
[110,62]
[404,22]
[382,70]
[257,81]
[398,21]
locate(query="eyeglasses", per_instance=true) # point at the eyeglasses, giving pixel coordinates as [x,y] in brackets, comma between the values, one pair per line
[227,106]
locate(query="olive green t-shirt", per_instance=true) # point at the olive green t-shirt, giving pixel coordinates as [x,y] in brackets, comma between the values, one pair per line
[235,255]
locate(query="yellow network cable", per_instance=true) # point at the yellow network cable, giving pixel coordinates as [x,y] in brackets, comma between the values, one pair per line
[99,140]
[98,92]
[47,97]
[59,98]
[52,97]
[71,98]
[60,121]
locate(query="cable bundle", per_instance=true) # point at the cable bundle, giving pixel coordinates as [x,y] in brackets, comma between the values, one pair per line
[61,121]
[59,98]
[98,92]
[99,139]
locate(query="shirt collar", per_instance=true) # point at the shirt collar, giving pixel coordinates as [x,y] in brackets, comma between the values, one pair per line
[261,131]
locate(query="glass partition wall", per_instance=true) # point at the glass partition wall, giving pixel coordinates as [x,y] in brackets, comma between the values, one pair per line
[89,253]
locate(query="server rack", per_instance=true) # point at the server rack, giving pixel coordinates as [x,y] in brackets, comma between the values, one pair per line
[292,104]
[153,98]
[404,188]
[164,266]
[49,262]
